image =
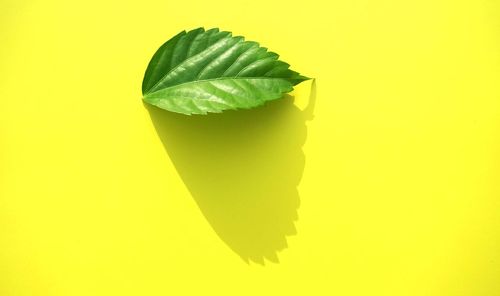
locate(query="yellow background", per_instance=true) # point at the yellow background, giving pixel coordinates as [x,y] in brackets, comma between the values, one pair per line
[392,188]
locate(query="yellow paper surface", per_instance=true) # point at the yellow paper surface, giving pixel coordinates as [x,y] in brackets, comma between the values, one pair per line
[382,179]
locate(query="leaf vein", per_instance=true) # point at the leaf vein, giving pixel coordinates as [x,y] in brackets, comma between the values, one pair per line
[215,59]
[252,63]
[188,59]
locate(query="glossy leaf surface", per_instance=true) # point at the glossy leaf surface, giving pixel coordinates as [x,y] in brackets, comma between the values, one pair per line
[200,72]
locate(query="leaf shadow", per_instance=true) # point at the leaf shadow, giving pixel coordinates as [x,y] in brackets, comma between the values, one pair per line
[242,168]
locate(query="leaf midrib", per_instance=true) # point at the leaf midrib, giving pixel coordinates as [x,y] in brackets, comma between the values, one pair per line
[215,79]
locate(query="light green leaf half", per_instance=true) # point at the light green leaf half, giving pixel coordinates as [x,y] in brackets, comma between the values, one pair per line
[200,72]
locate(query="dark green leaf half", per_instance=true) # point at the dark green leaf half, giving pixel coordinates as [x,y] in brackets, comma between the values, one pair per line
[200,71]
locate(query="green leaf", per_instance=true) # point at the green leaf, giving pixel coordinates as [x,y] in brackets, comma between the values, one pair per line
[200,71]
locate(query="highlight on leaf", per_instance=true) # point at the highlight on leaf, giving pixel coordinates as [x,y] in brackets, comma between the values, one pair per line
[209,71]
